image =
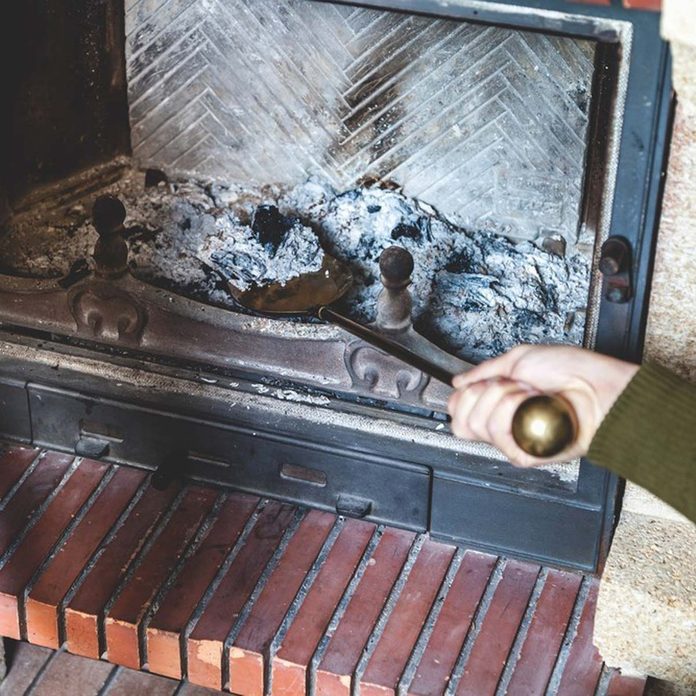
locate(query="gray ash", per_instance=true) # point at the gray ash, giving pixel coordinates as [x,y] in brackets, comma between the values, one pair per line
[474,292]
[505,294]
[274,248]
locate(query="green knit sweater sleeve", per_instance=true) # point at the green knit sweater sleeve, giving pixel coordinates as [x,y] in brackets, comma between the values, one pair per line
[649,437]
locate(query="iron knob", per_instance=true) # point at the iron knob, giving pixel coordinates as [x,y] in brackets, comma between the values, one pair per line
[108,214]
[110,251]
[545,426]
[396,267]
[614,256]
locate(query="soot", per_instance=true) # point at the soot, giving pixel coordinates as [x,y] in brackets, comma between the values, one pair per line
[271,227]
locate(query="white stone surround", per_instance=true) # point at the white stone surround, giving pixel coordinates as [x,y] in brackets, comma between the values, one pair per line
[646,613]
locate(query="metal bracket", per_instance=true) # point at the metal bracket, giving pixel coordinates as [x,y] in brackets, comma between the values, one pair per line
[91,448]
[615,265]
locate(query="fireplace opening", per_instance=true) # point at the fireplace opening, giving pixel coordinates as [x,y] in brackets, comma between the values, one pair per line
[497,146]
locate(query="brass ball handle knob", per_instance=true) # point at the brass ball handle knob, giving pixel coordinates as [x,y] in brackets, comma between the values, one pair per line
[544,426]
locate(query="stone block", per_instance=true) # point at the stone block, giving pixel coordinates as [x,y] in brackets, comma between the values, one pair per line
[646,611]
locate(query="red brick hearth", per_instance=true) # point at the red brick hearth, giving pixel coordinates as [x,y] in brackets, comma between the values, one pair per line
[231,591]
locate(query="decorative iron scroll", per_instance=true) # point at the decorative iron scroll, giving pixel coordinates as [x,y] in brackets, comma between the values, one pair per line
[383,376]
[105,312]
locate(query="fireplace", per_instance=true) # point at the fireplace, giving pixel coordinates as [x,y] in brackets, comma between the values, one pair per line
[518,156]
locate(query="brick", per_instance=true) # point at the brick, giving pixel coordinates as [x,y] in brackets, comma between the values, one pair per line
[290,664]
[14,462]
[37,544]
[122,623]
[584,665]
[498,630]
[34,491]
[58,673]
[83,611]
[406,621]
[247,655]
[545,635]
[452,624]
[27,661]
[343,653]
[206,643]
[42,605]
[188,689]
[652,5]
[108,552]
[163,634]
[622,685]
[127,682]
[69,674]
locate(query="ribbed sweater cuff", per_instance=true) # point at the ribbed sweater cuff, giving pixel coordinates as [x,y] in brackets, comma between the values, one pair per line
[649,437]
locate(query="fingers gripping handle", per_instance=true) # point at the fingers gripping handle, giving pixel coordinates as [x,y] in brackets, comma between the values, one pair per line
[544,426]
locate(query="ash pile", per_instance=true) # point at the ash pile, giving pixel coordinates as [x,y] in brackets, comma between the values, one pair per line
[475,293]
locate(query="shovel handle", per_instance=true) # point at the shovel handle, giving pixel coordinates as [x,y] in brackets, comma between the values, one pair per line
[545,425]
[385,343]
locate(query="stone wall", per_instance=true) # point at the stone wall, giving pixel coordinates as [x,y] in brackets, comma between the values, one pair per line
[671,337]
[646,613]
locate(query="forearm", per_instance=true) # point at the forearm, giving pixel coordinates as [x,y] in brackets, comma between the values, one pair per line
[649,437]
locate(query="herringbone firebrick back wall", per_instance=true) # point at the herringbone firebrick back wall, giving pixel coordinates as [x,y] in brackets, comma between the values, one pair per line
[487,124]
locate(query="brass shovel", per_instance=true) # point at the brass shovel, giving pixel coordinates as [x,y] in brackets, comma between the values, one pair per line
[543,426]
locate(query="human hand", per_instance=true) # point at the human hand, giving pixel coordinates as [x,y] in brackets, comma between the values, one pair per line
[487,397]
